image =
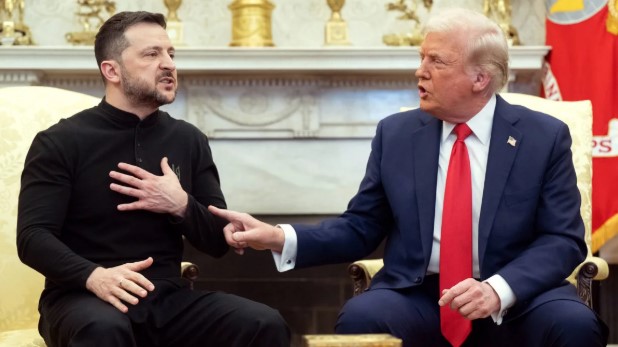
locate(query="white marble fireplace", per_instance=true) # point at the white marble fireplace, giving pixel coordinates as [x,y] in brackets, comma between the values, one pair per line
[290,129]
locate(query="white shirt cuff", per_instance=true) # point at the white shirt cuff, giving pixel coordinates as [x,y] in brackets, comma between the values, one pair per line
[506,295]
[286,260]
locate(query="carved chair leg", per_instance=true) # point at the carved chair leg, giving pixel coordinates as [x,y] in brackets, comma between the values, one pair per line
[359,278]
[584,281]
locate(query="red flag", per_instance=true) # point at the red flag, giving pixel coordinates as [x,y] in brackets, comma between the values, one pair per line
[584,61]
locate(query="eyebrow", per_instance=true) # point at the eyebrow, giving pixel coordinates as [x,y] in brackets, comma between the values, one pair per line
[158,48]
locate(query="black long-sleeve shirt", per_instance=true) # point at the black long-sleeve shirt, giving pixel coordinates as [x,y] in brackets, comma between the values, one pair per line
[68,223]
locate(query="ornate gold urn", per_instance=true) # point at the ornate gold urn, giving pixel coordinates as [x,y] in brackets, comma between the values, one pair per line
[175,28]
[336,32]
[251,23]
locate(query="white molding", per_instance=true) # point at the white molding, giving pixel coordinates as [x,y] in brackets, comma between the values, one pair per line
[242,60]
[19,77]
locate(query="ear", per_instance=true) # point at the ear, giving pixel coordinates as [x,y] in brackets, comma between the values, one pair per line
[481,81]
[110,69]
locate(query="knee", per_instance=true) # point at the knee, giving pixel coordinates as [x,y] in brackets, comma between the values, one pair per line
[355,317]
[270,329]
[105,328]
[578,328]
[271,319]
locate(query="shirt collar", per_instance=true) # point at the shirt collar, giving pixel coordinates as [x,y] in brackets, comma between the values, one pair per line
[480,124]
[124,118]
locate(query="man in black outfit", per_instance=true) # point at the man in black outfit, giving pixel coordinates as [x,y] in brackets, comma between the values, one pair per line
[106,198]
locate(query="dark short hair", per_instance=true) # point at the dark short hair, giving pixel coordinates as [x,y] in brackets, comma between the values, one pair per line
[110,40]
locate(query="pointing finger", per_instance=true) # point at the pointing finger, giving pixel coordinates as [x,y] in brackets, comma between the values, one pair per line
[229,215]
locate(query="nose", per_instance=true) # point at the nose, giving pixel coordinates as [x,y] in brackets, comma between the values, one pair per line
[167,62]
[421,72]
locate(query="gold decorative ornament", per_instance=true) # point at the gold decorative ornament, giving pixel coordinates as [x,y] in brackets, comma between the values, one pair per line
[175,29]
[409,12]
[89,15]
[13,30]
[500,11]
[336,32]
[251,23]
[612,18]
[351,340]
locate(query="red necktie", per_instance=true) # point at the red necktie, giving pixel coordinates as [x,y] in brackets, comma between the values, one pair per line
[456,238]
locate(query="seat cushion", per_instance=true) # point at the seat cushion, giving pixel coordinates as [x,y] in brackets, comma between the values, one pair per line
[21,338]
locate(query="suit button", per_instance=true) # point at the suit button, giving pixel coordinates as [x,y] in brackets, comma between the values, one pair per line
[418,280]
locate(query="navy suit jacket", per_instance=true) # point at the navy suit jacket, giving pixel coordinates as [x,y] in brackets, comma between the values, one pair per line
[530,229]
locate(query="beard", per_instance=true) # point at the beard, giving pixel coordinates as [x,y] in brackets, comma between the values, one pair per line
[140,93]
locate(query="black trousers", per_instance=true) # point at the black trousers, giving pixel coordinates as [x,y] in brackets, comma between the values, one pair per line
[171,316]
[413,315]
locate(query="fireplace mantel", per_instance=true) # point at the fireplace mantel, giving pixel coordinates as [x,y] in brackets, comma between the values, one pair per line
[242,60]
[290,129]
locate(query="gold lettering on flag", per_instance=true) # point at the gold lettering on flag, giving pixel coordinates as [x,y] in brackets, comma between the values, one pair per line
[612,18]
[567,6]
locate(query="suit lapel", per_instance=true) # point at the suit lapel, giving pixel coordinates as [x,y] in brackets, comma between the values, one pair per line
[426,150]
[502,152]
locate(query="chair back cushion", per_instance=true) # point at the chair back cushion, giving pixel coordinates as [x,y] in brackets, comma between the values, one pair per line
[578,117]
[24,111]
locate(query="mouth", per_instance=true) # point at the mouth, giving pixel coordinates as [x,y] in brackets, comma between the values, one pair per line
[168,82]
[422,92]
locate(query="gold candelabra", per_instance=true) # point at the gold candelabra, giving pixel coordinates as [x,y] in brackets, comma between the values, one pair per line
[500,12]
[89,15]
[251,23]
[336,32]
[175,28]
[14,30]
[408,11]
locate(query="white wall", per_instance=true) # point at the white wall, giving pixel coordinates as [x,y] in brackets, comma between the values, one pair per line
[296,23]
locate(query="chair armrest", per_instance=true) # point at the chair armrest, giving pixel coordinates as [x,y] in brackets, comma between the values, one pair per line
[362,272]
[602,268]
[593,268]
[189,271]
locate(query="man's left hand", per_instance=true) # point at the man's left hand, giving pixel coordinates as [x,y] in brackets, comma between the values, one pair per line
[160,194]
[471,298]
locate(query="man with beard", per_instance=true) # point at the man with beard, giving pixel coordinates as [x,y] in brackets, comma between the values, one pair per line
[106,198]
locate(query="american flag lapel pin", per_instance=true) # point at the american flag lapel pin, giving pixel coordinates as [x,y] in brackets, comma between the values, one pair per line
[511,141]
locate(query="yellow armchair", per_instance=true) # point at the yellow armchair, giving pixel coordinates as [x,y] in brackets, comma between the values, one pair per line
[578,116]
[23,112]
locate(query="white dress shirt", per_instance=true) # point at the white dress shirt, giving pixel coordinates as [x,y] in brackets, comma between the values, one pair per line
[478,150]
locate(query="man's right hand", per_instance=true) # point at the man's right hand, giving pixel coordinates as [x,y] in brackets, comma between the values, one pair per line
[119,284]
[246,231]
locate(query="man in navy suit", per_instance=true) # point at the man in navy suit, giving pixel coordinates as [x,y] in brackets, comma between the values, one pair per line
[527,232]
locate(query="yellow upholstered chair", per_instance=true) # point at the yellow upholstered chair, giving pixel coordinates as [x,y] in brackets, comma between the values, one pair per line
[578,116]
[23,112]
